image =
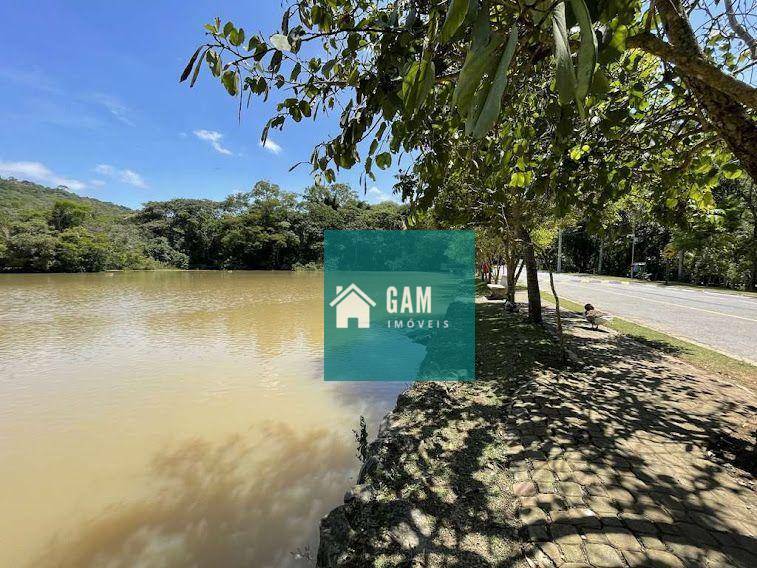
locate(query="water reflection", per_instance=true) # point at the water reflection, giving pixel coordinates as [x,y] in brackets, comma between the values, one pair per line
[172,419]
[217,504]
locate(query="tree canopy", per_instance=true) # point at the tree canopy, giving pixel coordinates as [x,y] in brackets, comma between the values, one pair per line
[264,228]
[396,68]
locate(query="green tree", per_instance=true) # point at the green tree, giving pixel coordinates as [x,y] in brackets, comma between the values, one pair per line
[80,250]
[67,214]
[30,246]
[397,66]
[191,227]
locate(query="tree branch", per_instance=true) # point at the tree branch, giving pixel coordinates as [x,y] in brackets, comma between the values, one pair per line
[740,30]
[696,66]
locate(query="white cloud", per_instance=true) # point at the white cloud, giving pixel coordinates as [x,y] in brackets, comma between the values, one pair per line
[105,169]
[118,109]
[39,172]
[215,140]
[271,146]
[375,195]
[126,176]
[96,182]
[132,178]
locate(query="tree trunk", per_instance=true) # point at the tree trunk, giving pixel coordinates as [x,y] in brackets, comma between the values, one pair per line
[532,278]
[511,264]
[724,112]
[517,272]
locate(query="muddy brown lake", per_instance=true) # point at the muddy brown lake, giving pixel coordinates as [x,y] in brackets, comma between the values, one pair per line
[171,419]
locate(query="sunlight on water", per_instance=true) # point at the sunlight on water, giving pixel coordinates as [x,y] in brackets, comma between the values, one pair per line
[170,418]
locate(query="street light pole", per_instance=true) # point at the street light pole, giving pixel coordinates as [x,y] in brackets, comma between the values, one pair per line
[633,250]
[559,250]
[601,246]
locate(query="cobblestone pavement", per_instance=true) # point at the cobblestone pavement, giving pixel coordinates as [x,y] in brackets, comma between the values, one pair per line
[611,467]
[605,462]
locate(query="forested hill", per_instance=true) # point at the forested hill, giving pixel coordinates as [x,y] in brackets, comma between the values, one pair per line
[54,230]
[20,199]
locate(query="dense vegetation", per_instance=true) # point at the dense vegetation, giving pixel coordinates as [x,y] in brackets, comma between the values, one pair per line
[524,118]
[53,230]
[718,248]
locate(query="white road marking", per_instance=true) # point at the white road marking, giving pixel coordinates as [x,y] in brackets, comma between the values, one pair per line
[672,289]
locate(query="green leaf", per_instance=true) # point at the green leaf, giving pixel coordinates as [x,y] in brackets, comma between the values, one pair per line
[214,62]
[565,74]
[472,14]
[275,62]
[731,171]
[353,41]
[587,51]
[481,27]
[280,42]
[491,108]
[384,160]
[517,179]
[230,80]
[197,72]
[188,68]
[295,72]
[390,104]
[475,109]
[600,85]
[236,37]
[227,29]
[417,84]
[476,64]
[456,12]
[616,46]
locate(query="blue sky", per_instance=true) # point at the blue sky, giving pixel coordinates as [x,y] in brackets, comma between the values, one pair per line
[89,98]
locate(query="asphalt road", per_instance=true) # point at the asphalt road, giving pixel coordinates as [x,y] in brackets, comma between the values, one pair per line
[725,322]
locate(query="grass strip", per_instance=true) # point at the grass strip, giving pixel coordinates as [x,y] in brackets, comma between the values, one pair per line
[686,285]
[693,353]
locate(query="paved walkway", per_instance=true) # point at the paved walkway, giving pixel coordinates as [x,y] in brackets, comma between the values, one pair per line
[622,460]
[611,465]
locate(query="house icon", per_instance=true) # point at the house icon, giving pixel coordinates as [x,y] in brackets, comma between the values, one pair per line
[352,303]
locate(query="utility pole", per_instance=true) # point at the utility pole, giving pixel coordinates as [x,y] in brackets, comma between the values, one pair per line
[633,249]
[680,265]
[599,267]
[559,250]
